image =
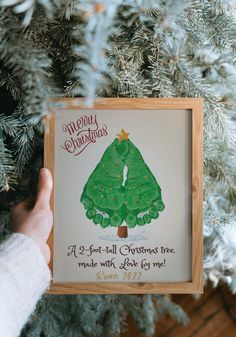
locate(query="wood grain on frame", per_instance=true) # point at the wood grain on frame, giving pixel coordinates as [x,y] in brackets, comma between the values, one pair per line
[195,105]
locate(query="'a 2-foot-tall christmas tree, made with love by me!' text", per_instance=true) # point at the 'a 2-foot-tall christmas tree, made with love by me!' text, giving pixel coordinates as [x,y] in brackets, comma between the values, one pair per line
[122,188]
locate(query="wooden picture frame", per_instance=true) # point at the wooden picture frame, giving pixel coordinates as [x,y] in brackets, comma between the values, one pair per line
[195,108]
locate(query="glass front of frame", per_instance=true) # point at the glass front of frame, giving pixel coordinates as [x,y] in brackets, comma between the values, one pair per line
[122,196]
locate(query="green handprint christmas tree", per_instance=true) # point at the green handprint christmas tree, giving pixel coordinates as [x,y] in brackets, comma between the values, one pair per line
[122,189]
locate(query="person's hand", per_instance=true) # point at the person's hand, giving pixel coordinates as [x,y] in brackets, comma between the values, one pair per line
[35,219]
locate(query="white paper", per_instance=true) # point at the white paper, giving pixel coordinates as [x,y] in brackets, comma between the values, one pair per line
[97,254]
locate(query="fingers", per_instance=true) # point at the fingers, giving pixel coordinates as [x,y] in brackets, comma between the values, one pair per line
[28,203]
[46,252]
[44,189]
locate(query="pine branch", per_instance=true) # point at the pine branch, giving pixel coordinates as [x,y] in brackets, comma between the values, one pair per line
[28,7]
[28,63]
[7,175]
[91,52]
[12,84]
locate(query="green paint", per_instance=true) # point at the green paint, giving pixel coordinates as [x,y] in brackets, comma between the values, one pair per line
[122,198]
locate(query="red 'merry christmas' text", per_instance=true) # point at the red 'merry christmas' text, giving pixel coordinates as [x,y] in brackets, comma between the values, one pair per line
[82,132]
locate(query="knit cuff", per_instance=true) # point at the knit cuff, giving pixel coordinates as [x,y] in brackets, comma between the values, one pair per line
[24,276]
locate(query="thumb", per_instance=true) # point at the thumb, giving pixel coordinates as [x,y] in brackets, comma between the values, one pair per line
[44,189]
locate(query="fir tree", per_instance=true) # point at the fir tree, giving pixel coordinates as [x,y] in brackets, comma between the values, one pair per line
[119,48]
[122,188]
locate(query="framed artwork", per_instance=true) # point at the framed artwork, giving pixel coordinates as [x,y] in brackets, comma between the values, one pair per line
[127,196]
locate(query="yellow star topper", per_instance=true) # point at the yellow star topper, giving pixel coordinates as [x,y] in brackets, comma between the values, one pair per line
[123,135]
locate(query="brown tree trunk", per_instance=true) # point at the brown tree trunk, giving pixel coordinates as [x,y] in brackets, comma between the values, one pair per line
[122,231]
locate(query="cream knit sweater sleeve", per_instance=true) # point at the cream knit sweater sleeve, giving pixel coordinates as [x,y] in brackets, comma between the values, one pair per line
[24,276]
